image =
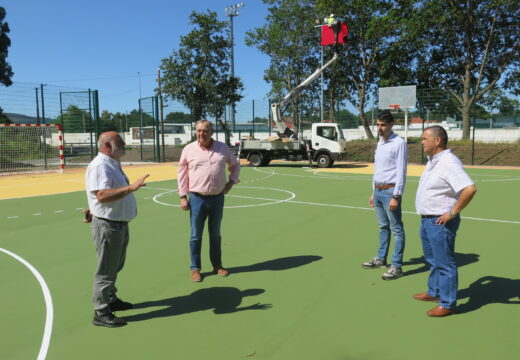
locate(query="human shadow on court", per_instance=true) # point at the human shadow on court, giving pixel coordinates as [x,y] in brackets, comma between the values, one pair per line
[489,290]
[223,300]
[461,259]
[284,263]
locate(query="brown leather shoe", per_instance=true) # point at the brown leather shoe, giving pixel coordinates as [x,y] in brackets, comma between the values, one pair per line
[195,276]
[439,311]
[425,297]
[220,271]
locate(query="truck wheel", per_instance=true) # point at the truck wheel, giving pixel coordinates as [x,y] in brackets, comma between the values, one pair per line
[255,159]
[266,160]
[324,161]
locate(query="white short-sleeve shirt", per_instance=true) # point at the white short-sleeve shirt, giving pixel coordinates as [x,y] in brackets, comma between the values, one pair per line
[441,182]
[103,172]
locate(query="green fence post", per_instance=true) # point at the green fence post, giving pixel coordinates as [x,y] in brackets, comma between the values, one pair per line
[473,144]
[96,115]
[141,131]
[158,146]
[62,129]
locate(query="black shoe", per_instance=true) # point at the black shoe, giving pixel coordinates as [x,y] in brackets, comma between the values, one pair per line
[120,305]
[108,320]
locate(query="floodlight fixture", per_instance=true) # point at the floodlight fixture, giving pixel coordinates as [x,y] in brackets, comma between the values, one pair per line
[232,10]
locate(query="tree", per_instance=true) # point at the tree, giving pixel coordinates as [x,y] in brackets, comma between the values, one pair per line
[178,117]
[75,120]
[6,71]
[469,47]
[377,53]
[507,106]
[197,73]
[290,39]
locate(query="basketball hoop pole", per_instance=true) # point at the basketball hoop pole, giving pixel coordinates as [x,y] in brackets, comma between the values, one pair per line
[396,109]
[406,125]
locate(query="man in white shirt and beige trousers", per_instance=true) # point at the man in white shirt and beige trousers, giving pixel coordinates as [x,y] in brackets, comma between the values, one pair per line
[444,191]
[111,206]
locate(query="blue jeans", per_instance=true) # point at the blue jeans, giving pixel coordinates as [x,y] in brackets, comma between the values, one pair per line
[389,221]
[438,243]
[212,208]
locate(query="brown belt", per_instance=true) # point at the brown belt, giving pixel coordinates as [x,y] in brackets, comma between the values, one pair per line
[384,187]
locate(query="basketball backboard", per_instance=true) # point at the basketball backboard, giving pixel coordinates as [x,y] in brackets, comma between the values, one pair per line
[404,96]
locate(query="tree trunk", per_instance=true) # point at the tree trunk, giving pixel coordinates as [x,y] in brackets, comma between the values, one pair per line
[332,103]
[363,116]
[226,131]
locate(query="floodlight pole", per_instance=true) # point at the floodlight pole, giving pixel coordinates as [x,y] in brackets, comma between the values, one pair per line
[232,11]
[321,77]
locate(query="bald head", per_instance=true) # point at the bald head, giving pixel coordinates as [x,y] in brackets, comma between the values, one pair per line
[111,144]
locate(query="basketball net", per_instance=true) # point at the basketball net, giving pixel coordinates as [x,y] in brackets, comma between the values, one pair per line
[395,108]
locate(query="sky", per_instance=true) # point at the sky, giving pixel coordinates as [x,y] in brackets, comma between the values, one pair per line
[116,46]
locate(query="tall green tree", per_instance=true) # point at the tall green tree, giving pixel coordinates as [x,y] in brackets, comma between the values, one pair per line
[75,120]
[377,53]
[178,117]
[6,72]
[469,47]
[197,73]
[291,41]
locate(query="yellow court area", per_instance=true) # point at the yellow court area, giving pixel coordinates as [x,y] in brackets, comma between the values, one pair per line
[368,168]
[18,186]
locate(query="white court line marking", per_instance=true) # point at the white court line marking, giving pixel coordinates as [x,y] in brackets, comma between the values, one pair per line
[12,217]
[37,214]
[317,204]
[404,212]
[59,211]
[369,178]
[271,201]
[513,179]
[48,302]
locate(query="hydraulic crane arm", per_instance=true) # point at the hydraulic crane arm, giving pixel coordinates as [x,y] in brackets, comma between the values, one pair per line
[276,108]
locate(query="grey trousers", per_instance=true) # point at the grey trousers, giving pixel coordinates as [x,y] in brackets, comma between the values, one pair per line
[111,240]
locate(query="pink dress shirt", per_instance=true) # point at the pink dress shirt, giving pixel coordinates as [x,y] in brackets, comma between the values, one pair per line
[204,170]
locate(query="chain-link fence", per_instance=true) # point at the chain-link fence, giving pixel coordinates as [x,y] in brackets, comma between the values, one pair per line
[494,137]
[76,110]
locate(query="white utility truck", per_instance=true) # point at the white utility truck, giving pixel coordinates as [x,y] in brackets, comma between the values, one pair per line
[325,145]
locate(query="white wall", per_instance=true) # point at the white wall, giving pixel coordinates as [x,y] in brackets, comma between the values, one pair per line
[483,135]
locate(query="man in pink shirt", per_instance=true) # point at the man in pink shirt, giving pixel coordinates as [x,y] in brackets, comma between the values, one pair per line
[202,175]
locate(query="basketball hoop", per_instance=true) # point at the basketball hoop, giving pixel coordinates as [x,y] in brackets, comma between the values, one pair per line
[395,108]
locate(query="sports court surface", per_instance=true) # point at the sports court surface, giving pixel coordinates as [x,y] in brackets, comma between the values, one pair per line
[293,239]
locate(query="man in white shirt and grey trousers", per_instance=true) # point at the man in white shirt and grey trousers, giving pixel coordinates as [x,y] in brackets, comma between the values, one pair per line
[111,206]
[444,191]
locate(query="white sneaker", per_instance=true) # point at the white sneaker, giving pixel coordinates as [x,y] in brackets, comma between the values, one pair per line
[392,273]
[374,263]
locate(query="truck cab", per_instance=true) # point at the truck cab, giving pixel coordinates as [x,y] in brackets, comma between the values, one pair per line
[328,143]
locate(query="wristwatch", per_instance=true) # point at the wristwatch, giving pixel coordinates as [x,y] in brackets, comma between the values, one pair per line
[396,197]
[183,197]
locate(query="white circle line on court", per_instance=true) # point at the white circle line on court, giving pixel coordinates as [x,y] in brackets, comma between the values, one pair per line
[368,177]
[44,348]
[271,201]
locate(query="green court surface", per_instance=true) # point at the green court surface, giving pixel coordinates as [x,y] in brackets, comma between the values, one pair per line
[293,241]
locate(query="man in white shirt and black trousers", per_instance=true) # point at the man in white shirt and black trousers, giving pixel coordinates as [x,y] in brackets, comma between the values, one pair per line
[444,191]
[111,206]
